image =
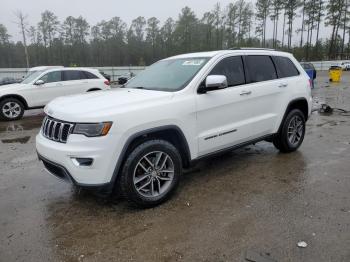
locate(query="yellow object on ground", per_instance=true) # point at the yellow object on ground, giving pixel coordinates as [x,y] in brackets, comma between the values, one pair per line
[335,74]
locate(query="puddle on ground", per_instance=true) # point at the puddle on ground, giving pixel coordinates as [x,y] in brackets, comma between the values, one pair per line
[25,159]
[20,140]
[331,123]
[24,124]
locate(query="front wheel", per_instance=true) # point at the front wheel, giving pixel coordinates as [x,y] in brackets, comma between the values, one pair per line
[292,132]
[151,173]
[11,109]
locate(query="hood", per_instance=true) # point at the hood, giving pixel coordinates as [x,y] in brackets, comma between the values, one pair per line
[11,87]
[102,104]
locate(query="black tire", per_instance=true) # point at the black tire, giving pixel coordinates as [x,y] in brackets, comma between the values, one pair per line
[93,90]
[283,141]
[131,167]
[18,105]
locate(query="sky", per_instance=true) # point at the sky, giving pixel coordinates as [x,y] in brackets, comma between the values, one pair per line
[95,11]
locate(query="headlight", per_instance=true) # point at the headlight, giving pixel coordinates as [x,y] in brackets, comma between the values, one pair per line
[92,130]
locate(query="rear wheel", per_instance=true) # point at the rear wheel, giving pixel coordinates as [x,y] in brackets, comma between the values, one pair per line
[292,132]
[151,173]
[11,109]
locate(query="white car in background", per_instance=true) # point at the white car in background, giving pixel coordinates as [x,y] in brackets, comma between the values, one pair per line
[39,69]
[39,88]
[345,66]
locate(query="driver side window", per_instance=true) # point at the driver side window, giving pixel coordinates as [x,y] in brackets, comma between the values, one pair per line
[52,77]
[232,68]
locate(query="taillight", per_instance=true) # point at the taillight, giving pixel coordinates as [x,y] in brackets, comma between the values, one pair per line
[107,83]
[310,83]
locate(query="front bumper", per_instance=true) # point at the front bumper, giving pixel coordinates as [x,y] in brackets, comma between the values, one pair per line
[57,170]
[58,159]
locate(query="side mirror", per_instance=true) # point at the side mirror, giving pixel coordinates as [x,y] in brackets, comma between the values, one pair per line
[39,82]
[213,82]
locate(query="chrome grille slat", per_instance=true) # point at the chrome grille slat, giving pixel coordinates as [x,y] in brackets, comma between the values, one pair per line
[70,129]
[56,130]
[52,133]
[60,133]
[49,131]
[46,125]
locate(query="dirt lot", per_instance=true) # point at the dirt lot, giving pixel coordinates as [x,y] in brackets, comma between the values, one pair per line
[253,200]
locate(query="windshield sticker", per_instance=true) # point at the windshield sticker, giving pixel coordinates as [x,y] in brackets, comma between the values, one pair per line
[195,62]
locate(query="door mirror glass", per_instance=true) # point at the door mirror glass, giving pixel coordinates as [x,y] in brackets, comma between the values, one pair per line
[213,82]
[39,82]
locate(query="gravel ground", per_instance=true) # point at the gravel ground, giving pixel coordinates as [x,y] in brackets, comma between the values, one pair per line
[250,202]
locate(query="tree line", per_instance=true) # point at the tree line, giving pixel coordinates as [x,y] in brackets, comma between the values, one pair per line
[114,43]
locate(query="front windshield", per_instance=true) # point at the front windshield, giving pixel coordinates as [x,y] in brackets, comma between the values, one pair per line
[29,78]
[168,75]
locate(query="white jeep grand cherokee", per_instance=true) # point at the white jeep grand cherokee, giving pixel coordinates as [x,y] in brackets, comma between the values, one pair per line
[137,139]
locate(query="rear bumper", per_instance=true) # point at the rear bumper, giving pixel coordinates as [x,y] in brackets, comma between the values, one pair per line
[310,102]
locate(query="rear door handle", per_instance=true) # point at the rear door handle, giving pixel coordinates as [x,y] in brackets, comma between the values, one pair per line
[246,93]
[282,85]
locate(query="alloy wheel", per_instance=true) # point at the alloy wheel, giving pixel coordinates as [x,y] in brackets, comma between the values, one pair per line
[11,109]
[295,130]
[153,174]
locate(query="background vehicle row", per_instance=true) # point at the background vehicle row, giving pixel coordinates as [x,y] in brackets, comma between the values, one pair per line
[40,87]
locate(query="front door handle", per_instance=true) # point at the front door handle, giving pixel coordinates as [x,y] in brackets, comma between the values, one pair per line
[283,85]
[246,93]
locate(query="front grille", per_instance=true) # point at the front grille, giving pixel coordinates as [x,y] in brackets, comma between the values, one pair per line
[56,130]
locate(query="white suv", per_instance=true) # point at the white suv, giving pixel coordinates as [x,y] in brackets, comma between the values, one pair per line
[42,86]
[137,139]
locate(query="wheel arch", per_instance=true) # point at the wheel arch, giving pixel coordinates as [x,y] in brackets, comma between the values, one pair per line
[18,97]
[170,133]
[298,103]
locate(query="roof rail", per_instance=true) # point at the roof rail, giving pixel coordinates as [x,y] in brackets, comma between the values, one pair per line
[251,48]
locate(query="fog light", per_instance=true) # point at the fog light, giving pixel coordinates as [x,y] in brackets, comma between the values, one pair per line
[82,161]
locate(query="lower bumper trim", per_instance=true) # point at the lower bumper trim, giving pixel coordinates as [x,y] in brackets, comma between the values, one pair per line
[62,173]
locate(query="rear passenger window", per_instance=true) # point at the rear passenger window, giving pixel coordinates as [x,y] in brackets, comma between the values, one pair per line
[71,75]
[88,75]
[285,67]
[232,68]
[260,68]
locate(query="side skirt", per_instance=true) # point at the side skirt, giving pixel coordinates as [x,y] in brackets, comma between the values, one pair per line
[35,107]
[231,148]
